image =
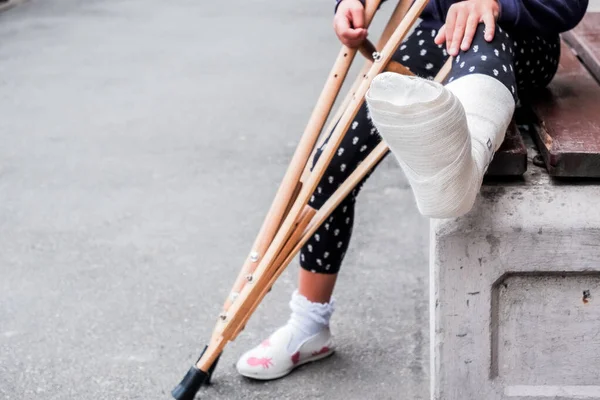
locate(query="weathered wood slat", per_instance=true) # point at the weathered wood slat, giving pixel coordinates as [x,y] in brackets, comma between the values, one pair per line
[585,40]
[511,157]
[569,120]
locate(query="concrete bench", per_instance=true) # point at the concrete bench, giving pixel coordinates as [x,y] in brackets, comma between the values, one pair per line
[515,284]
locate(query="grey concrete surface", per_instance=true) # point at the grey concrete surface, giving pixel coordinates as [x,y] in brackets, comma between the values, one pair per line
[511,285]
[141,143]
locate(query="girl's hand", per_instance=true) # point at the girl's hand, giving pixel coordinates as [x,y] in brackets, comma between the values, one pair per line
[349,22]
[461,24]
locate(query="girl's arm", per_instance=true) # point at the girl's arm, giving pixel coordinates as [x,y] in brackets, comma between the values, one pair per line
[545,16]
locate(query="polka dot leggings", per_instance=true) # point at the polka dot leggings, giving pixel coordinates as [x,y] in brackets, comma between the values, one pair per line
[521,63]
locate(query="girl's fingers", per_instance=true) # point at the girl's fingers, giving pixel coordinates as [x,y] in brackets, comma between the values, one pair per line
[449,26]
[352,37]
[342,24]
[470,30]
[354,34]
[490,26]
[364,35]
[357,17]
[458,33]
[441,36]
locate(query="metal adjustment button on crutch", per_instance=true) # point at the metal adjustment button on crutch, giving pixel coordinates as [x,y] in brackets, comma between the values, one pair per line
[369,51]
[254,256]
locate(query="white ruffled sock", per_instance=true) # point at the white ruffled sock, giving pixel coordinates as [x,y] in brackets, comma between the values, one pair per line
[307,318]
[443,137]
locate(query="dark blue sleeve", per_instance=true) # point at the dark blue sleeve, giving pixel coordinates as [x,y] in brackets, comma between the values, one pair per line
[547,16]
[337,3]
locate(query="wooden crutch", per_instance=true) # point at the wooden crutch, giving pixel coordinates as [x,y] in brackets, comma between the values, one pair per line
[296,220]
[291,184]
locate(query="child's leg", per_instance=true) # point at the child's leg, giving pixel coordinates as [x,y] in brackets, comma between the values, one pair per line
[324,252]
[445,137]
[317,288]
[306,336]
[536,61]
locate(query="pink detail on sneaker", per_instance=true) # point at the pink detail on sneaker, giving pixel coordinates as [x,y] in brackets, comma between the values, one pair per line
[324,350]
[266,343]
[296,357]
[264,361]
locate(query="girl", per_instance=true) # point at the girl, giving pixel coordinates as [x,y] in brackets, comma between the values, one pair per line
[444,137]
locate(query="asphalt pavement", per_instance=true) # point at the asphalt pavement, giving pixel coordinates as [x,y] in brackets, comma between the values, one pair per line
[141,143]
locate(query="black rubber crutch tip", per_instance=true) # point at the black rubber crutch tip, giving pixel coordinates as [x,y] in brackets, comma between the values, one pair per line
[194,379]
[190,384]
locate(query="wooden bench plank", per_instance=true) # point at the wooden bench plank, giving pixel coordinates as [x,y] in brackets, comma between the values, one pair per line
[511,157]
[568,134]
[585,40]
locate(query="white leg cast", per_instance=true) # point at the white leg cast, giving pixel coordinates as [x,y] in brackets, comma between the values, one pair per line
[443,137]
[489,108]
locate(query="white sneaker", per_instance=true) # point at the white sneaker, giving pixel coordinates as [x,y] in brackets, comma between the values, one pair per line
[272,359]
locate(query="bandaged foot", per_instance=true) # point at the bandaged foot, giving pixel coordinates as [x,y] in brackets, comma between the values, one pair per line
[443,137]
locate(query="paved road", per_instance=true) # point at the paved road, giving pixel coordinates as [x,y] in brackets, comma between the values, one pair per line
[140,145]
